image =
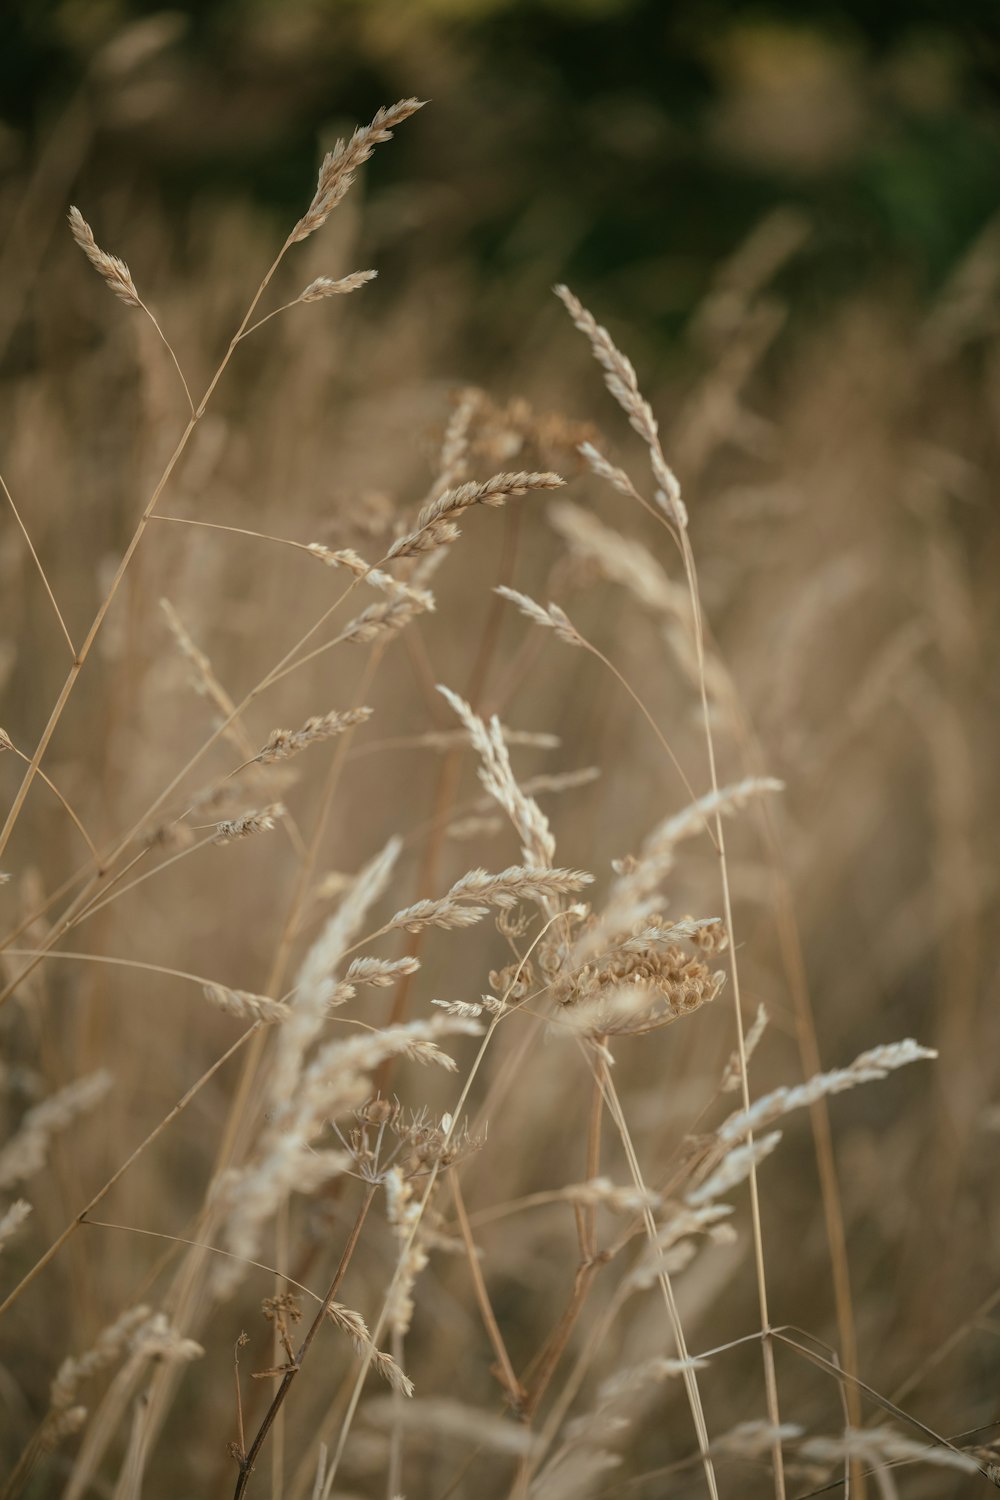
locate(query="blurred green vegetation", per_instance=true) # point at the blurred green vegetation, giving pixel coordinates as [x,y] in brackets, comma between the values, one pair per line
[635,140]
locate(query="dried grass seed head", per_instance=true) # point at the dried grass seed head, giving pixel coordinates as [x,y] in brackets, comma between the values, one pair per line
[550,616]
[435,525]
[622,381]
[112,270]
[340,165]
[326,286]
[497,776]
[284,743]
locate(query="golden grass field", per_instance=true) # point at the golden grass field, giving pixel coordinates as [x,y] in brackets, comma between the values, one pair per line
[409,1087]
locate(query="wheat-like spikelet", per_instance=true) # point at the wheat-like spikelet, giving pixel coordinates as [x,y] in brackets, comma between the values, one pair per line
[203,679]
[867,1068]
[316,988]
[404,1211]
[114,271]
[754,1439]
[735,1168]
[453,461]
[550,615]
[640,1377]
[325,286]
[601,1192]
[243,1003]
[633,894]
[622,559]
[25,1153]
[878,1446]
[470,898]
[496,775]
[467,1009]
[353,1324]
[446,1417]
[12,1219]
[621,380]
[604,469]
[381,620]
[436,521]
[730,1080]
[377,578]
[109,1346]
[677,1241]
[284,743]
[339,165]
[257,820]
[380,972]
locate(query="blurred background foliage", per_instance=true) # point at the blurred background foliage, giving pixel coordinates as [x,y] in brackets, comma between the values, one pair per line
[630,141]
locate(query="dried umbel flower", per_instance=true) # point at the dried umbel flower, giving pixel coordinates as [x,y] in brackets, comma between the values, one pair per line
[635,1007]
[642,981]
[284,743]
[114,271]
[334,1081]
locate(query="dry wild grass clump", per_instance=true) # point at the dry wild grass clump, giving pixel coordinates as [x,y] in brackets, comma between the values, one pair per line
[457,1111]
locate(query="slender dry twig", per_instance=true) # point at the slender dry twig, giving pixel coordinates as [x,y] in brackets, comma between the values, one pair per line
[249,1457]
[38,564]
